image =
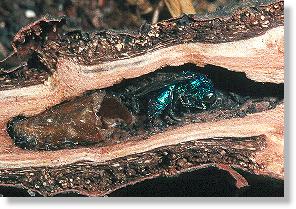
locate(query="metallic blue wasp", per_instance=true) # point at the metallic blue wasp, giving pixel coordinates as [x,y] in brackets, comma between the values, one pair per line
[172,94]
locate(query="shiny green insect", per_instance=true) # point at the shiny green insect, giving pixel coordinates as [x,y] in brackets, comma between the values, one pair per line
[180,91]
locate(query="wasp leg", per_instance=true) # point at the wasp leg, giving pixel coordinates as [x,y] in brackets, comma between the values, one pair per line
[168,120]
[201,106]
[186,105]
[172,115]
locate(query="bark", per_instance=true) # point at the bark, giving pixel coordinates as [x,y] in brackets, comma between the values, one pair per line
[249,39]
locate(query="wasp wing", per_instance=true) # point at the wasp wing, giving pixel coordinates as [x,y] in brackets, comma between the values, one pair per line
[163,80]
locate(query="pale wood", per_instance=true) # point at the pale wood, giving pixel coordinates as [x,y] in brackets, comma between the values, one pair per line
[261,58]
